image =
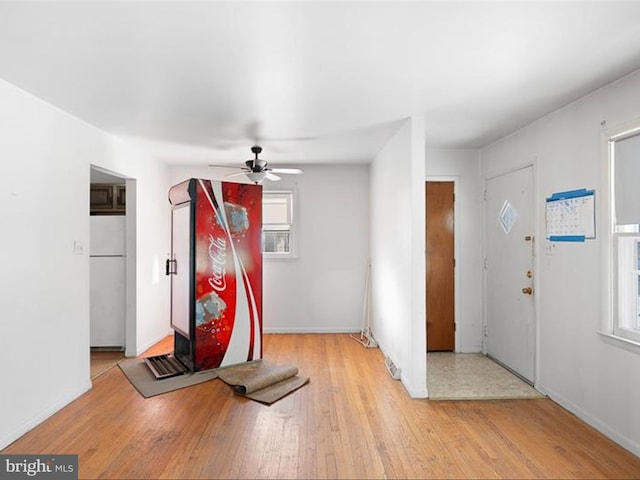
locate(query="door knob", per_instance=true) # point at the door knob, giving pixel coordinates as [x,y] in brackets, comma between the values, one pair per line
[527,290]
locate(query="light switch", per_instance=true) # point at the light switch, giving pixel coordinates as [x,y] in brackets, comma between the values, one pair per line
[78,248]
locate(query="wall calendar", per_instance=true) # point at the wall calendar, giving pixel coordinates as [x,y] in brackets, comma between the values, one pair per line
[571,216]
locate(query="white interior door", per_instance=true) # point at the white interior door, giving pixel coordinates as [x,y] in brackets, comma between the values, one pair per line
[510,317]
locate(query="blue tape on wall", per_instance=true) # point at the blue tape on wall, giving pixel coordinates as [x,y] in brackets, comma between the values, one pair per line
[567,238]
[583,192]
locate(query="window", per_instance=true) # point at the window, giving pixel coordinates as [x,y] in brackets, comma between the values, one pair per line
[277,224]
[624,244]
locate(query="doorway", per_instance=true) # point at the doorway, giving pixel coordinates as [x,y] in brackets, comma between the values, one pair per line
[117,260]
[440,265]
[509,276]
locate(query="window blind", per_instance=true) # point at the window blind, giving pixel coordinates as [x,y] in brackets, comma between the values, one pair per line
[627,180]
[276,209]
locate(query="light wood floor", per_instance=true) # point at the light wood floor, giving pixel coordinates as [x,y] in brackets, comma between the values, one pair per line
[351,421]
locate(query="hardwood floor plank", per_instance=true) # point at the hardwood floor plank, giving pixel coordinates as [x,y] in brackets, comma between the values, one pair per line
[351,421]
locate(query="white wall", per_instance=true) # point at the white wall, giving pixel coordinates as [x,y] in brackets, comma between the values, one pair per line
[323,289]
[44,286]
[397,253]
[581,370]
[463,167]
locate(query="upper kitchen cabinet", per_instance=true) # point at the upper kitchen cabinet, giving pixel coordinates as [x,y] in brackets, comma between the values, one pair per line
[107,199]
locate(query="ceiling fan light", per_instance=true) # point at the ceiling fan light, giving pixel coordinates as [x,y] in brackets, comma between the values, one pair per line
[256,177]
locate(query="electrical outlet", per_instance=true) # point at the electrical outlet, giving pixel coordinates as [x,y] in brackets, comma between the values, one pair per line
[549,248]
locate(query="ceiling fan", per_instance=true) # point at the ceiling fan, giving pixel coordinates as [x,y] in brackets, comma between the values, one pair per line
[257,169]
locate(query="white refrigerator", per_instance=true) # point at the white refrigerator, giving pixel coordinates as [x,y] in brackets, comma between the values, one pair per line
[108,286]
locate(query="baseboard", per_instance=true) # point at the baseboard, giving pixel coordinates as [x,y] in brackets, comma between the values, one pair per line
[311,330]
[413,393]
[623,441]
[41,417]
[408,386]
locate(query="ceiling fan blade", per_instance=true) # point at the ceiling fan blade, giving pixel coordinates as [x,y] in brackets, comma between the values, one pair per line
[287,170]
[272,177]
[222,166]
[236,174]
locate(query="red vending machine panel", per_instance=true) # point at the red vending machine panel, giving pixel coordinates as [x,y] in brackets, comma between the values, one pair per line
[216,272]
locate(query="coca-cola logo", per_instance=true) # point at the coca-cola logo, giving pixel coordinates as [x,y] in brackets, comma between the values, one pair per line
[218,257]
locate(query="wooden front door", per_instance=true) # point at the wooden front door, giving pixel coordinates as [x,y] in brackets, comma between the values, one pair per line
[440,266]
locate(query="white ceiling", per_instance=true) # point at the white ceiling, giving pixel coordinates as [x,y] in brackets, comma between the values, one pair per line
[200,82]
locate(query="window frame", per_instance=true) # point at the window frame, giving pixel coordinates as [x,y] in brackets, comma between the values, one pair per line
[620,323]
[612,326]
[290,227]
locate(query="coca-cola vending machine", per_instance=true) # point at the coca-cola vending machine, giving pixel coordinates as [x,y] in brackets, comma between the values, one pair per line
[216,273]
